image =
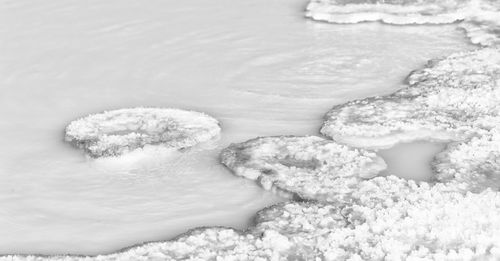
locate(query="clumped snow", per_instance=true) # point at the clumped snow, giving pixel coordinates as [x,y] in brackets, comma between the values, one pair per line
[481,18]
[309,167]
[473,165]
[429,223]
[116,132]
[444,101]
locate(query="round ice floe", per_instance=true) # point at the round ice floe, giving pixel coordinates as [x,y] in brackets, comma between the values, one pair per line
[113,133]
[310,167]
[443,102]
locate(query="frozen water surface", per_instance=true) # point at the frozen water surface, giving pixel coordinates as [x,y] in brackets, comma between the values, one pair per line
[257,66]
[411,160]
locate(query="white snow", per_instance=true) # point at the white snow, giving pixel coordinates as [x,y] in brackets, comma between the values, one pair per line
[116,132]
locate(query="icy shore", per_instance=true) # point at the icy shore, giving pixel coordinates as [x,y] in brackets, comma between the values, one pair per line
[383,218]
[479,18]
[445,101]
[116,132]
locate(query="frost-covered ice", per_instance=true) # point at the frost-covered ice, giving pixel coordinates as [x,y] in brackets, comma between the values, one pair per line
[309,167]
[113,133]
[429,223]
[481,18]
[444,101]
[473,165]
[389,11]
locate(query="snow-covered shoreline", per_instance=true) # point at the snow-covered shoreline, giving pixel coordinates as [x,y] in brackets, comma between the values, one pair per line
[367,222]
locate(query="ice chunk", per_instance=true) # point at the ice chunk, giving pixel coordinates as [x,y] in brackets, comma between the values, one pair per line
[309,167]
[481,18]
[442,102]
[116,132]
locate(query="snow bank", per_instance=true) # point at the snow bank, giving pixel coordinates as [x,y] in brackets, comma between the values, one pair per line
[443,101]
[116,132]
[430,224]
[481,18]
[309,167]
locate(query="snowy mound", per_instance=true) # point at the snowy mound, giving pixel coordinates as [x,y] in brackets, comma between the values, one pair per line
[309,167]
[443,101]
[113,133]
[473,165]
[481,17]
[430,224]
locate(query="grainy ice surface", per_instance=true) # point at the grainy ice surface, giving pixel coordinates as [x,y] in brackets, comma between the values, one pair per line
[308,167]
[479,18]
[118,132]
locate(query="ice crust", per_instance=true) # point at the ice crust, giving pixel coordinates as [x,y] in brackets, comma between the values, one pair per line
[473,165]
[113,133]
[447,100]
[479,18]
[309,167]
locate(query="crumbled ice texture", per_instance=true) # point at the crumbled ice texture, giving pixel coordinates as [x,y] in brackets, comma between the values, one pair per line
[428,224]
[473,165]
[481,18]
[447,100]
[116,132]
[309,167]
